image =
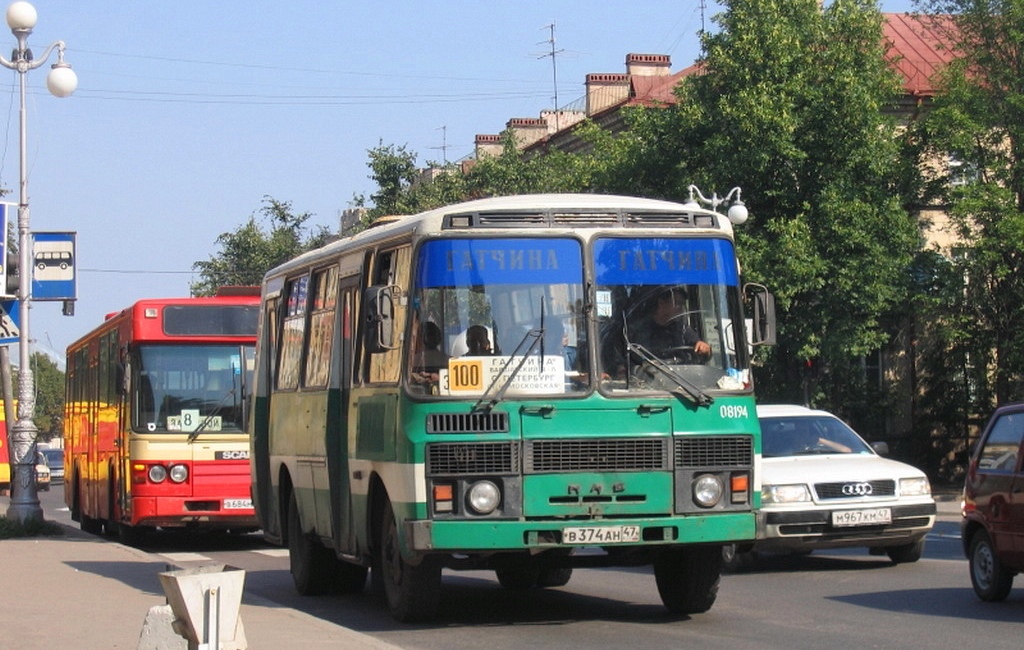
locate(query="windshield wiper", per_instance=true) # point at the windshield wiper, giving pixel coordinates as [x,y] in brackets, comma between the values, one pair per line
[686,387]
[537,335]
[207,419]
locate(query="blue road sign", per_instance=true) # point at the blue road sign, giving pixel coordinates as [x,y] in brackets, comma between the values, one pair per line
[10,321]
[53,266]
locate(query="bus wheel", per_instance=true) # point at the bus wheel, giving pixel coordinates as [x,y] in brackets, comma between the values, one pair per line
[91,526]
[554,577]
[688,577]
[518,576]
[411,590]
[313,567]
[130,535]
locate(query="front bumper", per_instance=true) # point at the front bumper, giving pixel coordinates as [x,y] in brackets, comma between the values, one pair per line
[786,529]
[462,536]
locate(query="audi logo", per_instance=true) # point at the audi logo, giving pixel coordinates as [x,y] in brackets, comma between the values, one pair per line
[857,489]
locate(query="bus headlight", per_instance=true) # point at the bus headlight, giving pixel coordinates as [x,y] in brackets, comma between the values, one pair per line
[708,490]
[157,473]
[179,473]
[484,497]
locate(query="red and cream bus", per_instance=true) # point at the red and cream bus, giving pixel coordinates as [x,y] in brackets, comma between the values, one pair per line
[153,426]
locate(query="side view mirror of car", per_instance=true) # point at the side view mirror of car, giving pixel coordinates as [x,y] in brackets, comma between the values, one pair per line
[881,448]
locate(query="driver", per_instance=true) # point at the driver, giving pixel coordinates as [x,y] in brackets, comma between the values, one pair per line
[664,330]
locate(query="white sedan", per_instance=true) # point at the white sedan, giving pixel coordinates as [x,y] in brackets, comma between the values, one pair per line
[823,486]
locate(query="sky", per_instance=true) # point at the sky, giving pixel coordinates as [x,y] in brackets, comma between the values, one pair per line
[188,114]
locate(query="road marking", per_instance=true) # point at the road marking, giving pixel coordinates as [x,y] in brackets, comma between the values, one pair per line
[273,552]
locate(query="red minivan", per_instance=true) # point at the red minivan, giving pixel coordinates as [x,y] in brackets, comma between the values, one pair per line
[992,529]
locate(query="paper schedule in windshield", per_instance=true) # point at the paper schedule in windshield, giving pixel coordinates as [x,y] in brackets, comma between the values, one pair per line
[473,375]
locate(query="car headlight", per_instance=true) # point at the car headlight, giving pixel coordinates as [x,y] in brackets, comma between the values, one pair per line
[708,490]
[785,494]
[484,497]
[915,487]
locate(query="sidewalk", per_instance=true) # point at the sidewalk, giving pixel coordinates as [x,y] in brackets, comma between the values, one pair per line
[79,591]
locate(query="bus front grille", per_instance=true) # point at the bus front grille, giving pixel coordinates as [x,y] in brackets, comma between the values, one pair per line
[457,458]
[714,451]
[476,422]
[597,455]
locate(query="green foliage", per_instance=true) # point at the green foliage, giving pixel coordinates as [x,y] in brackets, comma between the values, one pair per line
[49,383]
[791,108]
[48,415]
[247,253]
[978,120]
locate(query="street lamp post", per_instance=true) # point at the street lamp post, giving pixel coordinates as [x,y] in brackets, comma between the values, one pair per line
[61,82]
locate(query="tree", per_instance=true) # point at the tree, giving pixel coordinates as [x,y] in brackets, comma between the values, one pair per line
[48,415]
[978,123]
[247,253]
[790,105]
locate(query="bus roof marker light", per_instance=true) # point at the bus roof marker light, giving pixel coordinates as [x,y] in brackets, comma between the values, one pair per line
[737,210]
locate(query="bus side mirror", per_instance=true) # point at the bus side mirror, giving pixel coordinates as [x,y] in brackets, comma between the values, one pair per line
[379,303]
[763,324]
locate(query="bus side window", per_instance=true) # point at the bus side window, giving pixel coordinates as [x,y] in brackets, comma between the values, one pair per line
[392,273]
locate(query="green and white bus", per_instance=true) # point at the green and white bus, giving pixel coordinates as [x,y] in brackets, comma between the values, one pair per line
[470,388]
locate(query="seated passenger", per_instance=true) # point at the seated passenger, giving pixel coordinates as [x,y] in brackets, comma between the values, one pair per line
[478,343]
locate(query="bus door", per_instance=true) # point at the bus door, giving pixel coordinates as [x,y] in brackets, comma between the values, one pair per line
[262,494]
[338,417]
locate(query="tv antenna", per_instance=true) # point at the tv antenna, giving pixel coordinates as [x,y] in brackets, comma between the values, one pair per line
[444,143]
[554,65]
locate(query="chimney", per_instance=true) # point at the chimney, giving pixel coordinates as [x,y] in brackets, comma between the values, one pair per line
[487,145]
[648,65]
[604,90]
[527,130]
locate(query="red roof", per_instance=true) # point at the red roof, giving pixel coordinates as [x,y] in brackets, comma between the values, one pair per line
[918,47]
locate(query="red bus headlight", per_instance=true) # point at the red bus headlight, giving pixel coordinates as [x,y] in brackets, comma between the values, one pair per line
[179,473]
[157,473]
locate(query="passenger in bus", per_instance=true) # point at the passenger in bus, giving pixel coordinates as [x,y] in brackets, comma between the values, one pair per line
[430,356]
[477,341]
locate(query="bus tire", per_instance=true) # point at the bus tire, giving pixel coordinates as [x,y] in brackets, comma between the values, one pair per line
[129,535]
[411,590]
[688,577]
[554,577]
[518,576]
[312,566]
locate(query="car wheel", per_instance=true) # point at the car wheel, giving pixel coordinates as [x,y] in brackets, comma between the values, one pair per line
[906,553]
[991,581]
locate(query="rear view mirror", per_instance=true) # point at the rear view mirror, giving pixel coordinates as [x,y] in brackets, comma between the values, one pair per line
[379,303]
[763,322]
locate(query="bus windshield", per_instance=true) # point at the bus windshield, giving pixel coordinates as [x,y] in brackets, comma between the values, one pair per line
[493,315]
[190,388]
[668,314]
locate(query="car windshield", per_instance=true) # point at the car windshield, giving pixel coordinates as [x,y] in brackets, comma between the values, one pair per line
[190,388]
[668,316]
[54,457]
[494,317]
[808,435]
